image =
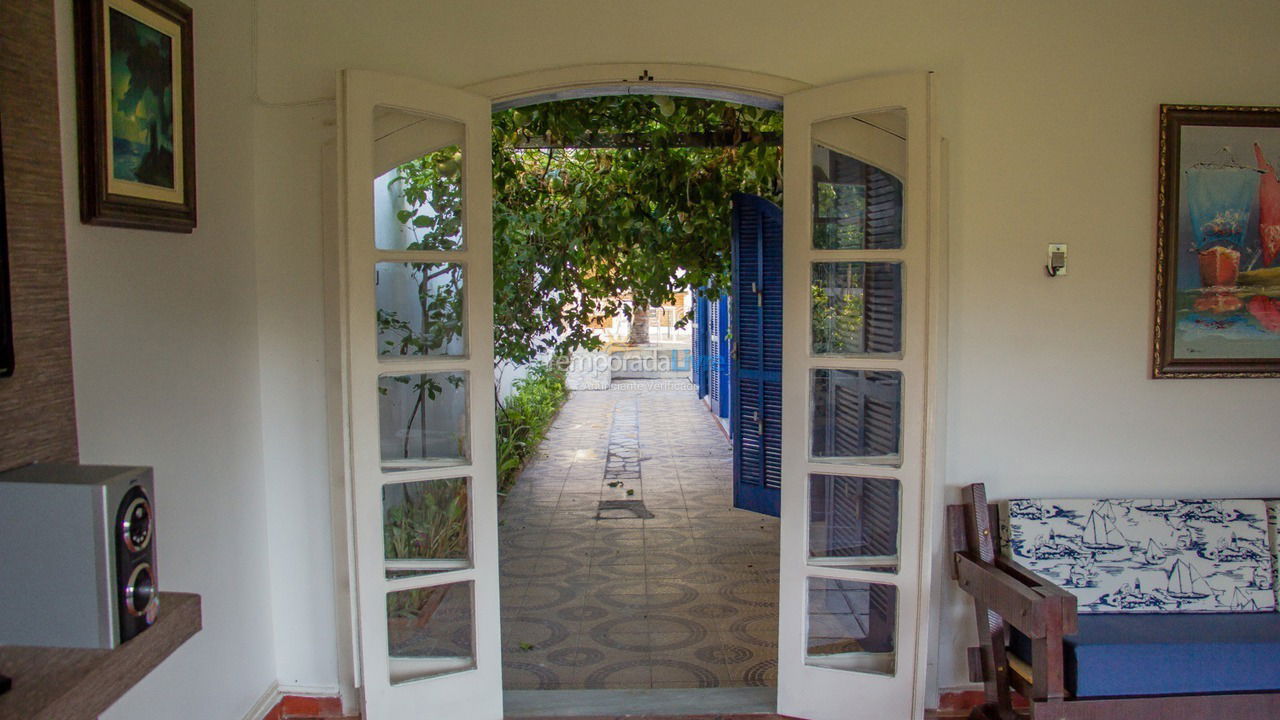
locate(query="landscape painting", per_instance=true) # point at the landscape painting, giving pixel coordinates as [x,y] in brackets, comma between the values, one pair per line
[1218,274]
[141,100]
[136,113]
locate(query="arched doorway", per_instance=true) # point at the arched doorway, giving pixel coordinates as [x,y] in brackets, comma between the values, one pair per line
[852,630]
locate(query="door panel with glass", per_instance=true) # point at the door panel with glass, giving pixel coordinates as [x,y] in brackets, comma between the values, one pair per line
[854,381]
[417,290]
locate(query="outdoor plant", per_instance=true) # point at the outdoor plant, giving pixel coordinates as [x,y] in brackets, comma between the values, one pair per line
[428,520]
[525,416]
[424,520]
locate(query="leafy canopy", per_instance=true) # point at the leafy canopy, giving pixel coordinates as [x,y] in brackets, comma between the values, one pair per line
[595,199]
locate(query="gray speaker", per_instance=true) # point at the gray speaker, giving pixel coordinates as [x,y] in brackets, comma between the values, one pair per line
[77,555]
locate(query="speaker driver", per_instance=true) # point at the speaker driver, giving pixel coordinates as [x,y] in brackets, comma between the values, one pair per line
[135,527]
[140,592]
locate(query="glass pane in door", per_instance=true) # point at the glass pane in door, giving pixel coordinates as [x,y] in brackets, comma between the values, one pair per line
[426,526]
[851,625]
[857,308]
[853,522]
[418,188]
[419,309]
[422,420]
[857,416]
[429,631]
[856,205]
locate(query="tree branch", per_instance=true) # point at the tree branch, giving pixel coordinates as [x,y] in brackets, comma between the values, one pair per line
[729,137]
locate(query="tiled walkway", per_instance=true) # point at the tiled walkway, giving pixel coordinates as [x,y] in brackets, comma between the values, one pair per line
[597,598]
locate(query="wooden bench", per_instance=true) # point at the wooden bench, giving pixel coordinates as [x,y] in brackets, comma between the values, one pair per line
[1028,643]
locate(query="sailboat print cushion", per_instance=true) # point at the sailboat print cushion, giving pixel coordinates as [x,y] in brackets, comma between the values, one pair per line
[1273,520]
[1148,556]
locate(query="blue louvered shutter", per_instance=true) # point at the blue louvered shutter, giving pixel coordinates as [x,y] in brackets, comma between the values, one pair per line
[756,362]
[700,366]
[715,337]
[721,375]
[882,283]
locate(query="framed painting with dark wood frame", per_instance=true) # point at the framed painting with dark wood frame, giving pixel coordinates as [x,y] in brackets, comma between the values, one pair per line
[136,114]
[1218,247]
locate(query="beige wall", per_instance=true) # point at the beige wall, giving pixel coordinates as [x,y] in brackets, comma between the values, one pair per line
[1050,110]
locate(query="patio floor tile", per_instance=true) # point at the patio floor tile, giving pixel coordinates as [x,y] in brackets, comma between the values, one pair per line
[686,598]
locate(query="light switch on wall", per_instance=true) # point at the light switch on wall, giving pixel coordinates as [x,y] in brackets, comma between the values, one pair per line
[1057,266]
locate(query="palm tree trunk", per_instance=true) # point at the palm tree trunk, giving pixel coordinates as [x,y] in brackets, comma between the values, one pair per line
[639,326]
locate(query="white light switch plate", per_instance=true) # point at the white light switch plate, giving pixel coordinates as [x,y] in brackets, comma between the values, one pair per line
[1059,248]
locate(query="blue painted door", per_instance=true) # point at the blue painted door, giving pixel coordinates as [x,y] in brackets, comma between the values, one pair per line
[718,382]
[756,365]
[700,366]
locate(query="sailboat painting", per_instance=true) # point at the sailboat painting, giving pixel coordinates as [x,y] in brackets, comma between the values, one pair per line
[1150,556]
[1218,275]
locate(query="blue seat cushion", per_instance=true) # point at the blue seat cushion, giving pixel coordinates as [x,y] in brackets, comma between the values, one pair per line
[1169,654]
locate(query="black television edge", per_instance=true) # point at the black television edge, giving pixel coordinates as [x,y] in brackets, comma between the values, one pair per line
[6,310]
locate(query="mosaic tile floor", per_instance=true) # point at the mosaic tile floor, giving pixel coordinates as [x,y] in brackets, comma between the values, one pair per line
[606,599]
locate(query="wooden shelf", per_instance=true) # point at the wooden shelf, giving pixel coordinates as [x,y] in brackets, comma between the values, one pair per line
[70,683]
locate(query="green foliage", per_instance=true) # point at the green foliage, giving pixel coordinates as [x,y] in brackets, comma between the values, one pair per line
[429,521]
[837,320]
[432,190]
[576,225]
[840,213]
[525,416]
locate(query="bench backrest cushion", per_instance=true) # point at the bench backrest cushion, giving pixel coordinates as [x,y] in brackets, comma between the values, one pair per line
[1148,556]
[1273,521]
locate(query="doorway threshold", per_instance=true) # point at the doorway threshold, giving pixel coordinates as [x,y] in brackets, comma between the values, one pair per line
[614,703]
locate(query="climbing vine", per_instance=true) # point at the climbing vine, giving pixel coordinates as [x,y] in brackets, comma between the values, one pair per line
[596,200]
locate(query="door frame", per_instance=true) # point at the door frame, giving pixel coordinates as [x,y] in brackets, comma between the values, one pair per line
[702,81]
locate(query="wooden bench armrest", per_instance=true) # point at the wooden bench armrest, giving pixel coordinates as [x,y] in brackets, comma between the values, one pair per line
[1044,587]
[1007,594]
[1025,607]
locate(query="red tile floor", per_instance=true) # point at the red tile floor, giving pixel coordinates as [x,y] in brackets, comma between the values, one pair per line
[294,707]
[299,707]
[928,715]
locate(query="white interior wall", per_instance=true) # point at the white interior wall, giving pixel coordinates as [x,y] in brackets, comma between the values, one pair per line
[287,224]
[185,363]
[166,354]
[1050,110]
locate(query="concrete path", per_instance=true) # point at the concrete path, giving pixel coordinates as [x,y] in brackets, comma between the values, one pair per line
[679,592]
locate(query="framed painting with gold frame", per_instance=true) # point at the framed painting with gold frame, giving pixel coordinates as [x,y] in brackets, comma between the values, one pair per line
[136,114]
[1217,308]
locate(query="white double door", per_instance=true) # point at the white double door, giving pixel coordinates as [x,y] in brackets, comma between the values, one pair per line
[417,358]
